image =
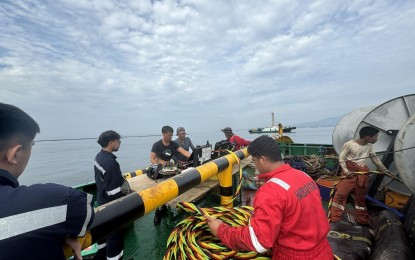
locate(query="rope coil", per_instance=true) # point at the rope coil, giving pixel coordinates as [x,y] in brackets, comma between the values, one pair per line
[192,239]
[314,165]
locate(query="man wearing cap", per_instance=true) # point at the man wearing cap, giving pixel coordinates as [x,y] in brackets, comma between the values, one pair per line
[184,142]
[237,141]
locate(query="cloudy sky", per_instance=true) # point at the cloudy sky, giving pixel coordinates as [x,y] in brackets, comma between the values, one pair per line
[80,67]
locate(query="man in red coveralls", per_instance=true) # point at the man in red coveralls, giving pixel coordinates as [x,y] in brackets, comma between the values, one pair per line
[238,141]
[352,159]
[288,214]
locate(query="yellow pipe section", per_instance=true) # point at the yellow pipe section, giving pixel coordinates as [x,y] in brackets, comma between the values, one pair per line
[225,180]
[159,194]
[130,175]
[206,170]
[225,177]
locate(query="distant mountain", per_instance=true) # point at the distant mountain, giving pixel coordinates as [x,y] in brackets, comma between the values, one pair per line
[331,121]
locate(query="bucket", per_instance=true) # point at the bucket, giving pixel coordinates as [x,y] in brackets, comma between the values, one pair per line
[325,184]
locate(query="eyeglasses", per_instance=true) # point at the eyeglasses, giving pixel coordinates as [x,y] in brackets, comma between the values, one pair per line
[119,141]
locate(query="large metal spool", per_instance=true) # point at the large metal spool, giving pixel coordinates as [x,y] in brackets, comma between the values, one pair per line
[405,153]
[346,127]
[391,115]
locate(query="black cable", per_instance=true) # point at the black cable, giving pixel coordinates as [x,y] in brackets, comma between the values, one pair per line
[89,138]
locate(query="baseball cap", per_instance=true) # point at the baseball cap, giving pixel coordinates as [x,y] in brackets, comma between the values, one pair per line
[179,130]
[227,130]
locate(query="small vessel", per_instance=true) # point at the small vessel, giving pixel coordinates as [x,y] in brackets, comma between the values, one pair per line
[273,129]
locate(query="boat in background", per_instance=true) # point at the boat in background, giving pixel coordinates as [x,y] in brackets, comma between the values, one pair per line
[273,129]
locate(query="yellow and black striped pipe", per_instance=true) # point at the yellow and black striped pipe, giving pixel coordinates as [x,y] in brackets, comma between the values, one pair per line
[133,174]
[121,212]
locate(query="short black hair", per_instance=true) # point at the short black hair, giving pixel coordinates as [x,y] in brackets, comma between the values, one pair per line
[368,131]
[107,136]
[15,124]
[265,146]
[166,129]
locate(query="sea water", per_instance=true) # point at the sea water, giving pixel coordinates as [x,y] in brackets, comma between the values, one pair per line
[70,162]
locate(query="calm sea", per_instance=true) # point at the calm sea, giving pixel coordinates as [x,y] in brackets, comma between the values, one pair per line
[70,162]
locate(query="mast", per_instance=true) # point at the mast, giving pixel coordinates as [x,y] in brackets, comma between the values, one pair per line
[273,120]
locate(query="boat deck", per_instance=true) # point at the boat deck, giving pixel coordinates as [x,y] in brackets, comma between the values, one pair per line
[144,239]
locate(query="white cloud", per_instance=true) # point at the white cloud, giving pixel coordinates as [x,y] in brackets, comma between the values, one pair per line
[142,64]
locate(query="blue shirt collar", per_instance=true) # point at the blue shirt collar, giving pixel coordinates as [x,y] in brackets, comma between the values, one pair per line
[7,179]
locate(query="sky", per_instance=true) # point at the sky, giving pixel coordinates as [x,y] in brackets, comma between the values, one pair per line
[80,67]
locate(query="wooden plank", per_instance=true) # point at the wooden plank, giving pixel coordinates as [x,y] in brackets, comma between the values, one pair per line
[195,193]
[141,182]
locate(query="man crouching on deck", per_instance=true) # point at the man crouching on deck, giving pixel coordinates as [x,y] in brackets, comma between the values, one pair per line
[288,214]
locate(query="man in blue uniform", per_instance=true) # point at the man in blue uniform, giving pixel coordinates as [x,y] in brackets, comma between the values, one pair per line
[109,181]
[35,221]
